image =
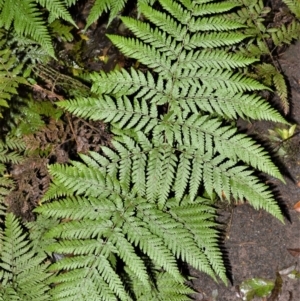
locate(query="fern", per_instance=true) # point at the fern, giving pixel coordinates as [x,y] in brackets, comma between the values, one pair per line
[32,115]
[10,77]
[286,34]
[264,40]
[10,152]
[27,20]
[62,30]
[294,6]
[130,212]
[127,221]
[23,272]
[268,74]
[57,9]
[113,6]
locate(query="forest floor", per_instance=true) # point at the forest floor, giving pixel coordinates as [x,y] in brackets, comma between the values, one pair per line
[255,243]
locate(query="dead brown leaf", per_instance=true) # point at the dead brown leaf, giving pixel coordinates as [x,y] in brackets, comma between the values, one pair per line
[294,252]
[297,206]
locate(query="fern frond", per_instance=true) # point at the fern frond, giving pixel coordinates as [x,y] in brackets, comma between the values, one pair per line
[286,34]
[10,152]
[199,220]
[12,143]
[281,88]
[294,6]
[259,197]
[231,105]
[121,114]
[216,59]
[220,79]
[166,288]
[62,30]
[69,2]
[203,8]
[57,10]
[27,20]
[177,238]
[6,185]
[154,240]
[145,54]
[273,77]
[10,77]
[113,6]
[23,273]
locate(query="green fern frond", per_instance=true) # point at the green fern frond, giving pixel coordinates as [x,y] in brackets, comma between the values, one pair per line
[69,2]
[12,143]
[165,289]
[98,8]
[218,59]
[190,214]
[2,214]
[10,77]
[114,7]
[27,20]
[222,102]
[62,30]
[273,77]
[23,272]
[6,185]
[155,240]
[281,88]
[203,8]
[286,34]
[37,230]
[57,10]
[294,6]
[10,152]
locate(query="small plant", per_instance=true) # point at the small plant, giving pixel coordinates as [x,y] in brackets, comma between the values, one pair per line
[281,138]
[264,41]
[282,134]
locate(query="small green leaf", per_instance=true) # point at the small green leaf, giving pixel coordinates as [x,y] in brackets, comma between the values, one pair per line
[294,275]
[258,287]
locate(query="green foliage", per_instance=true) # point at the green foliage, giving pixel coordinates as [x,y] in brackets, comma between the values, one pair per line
[280,138]
[113,6]
[25,39]
[32,116]
[10,77]
[23,272]
[193,93]
[129,214]
[63,31]
[127,221]
[119,222]
[263,41]
[255,287]
[294,6]
[27,19]
[270,76]
[10,152]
